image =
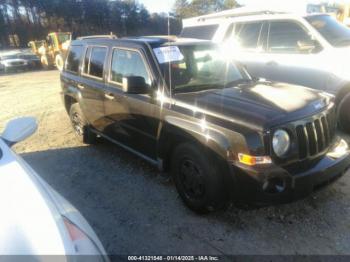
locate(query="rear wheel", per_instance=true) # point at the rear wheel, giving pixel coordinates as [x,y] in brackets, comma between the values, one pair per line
[46,62]
[80,125]
[198,179]
[344,113]
[59,62]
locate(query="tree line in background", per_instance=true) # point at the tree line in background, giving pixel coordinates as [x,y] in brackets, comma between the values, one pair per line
[34,19]
[186,8]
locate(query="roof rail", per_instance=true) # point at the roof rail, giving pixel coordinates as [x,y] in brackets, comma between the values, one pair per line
[237,12]
[267,12]
[97,36]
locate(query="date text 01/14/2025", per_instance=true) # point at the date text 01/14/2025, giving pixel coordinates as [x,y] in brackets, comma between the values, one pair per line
[173,258]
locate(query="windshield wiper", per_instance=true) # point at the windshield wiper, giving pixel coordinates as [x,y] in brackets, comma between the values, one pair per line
[202,87]
[238,82]
[197,88]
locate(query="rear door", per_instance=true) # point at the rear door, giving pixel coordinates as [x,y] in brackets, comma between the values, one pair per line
[70,76]
[133,118]
[92,85]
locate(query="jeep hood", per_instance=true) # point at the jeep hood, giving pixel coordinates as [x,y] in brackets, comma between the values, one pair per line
[261,104]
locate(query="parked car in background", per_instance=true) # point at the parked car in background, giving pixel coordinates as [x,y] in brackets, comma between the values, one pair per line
[35,220]
[310,50]
[11,62]
[17,60]
[186,107]
[33,60]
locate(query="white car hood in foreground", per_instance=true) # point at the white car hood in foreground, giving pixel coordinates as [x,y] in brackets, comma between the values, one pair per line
[31,220]
[27,225]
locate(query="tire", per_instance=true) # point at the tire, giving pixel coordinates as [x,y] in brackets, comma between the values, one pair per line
[80,125]
[44,62]
[59,62]
[344,114]
[198,179]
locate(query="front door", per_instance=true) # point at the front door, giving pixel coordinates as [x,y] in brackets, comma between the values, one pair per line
[290,59]
[133,119]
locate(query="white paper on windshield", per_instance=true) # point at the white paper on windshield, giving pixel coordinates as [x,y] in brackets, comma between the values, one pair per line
[168,54]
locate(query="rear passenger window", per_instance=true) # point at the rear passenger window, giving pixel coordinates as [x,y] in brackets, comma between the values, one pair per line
[248,34]
[128,63]
[74,58]
[94,61]
[205,32]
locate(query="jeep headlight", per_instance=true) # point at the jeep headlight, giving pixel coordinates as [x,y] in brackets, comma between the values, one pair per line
[280,142]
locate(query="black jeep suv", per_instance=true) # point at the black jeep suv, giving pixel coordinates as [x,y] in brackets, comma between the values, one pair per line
[185,106]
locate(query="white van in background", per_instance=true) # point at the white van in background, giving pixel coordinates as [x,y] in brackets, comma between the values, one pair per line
[311,50]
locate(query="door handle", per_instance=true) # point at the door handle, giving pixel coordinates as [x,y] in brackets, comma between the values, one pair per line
[80,86]
[272,63]
[109,96]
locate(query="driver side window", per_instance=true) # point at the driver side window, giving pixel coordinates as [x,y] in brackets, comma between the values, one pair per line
[289,37]
[128,63]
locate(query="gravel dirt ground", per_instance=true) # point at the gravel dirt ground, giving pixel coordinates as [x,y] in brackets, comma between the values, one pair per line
[134,210]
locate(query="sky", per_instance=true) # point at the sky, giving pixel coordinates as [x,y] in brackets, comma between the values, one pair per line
[166,5]
[158,6]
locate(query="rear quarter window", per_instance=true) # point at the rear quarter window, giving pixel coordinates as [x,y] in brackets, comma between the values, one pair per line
[74,57]
[205,32]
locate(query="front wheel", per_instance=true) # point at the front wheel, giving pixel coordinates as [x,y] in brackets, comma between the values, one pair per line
[198,179]
[80,125]
[59,62]
[344,114]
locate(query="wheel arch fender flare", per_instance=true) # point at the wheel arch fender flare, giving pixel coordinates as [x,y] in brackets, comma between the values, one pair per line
[175,130]
[71,95]
[343,91]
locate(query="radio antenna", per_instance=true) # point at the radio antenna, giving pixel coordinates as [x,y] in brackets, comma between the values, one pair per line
[170,82]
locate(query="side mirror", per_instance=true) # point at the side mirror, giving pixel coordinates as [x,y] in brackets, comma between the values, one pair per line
[307,46]
[19,129]
[135,85]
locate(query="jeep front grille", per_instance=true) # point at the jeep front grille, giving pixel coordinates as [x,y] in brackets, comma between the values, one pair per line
[315,136]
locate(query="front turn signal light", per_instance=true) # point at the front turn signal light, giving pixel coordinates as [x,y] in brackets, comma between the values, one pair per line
[254,160]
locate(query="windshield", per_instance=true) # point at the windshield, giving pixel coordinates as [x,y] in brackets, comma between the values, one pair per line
[63,37]
[18,56]
[198,67]
[27,56]
[335,33]
[8,57]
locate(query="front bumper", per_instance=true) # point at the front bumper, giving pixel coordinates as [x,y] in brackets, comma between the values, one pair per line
[16,67]
[275,185]
[35,64]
